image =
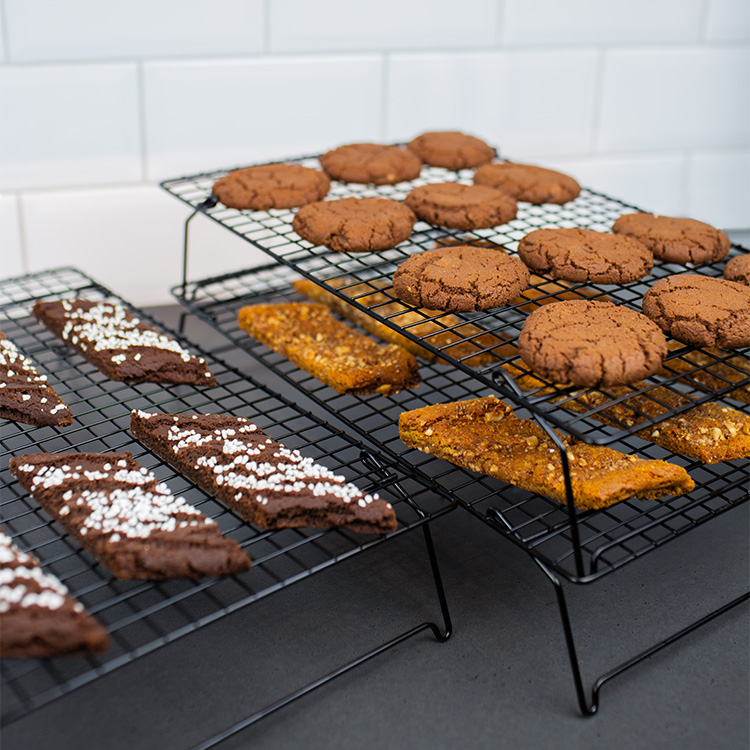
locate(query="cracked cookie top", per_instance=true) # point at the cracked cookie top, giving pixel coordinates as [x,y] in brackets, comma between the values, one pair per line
[451,149]
[355,225]
[526,182]
[271,186]
[371,164]
[738,269]
[451,204]
[590,343]
[701,310]
[460,278]
[675,240]
[585,255]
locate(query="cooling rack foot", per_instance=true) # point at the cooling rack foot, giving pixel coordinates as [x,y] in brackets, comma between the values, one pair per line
[589,707]
[441,635]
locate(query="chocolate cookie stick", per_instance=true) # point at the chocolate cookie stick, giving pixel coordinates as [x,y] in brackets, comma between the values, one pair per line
[121,345]
[261,480]
[38,617]
[25,394]
[126,518]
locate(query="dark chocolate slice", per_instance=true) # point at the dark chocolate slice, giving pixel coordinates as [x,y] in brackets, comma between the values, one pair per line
[126,518]
[121,345]
[38,617]
[261,480]
[25,395]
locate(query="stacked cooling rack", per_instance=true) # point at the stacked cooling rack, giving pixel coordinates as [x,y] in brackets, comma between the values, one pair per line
[567,544]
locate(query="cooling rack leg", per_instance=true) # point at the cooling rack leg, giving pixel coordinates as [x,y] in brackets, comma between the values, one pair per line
[590,708]
[445,634]
[440,635]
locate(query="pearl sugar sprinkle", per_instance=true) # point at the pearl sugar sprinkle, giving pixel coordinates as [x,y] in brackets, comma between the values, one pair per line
[245,460]
[111,327]
[20,575]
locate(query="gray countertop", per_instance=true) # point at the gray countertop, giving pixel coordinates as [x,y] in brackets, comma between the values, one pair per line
[502,680]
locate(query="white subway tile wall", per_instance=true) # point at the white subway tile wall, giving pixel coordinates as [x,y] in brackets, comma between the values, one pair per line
[728,21]
[670,97]
[719,186]
[100,101]
[69,124]
[128,238]
[551,22]
[50,30]
[514,99]
[655,182]
[207,115]
[343,25]
[11,252]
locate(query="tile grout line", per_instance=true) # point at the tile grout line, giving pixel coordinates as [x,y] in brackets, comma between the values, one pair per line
[374,52]
[22,233]
[5,35]
[686,175]
[499,23]
[142,121]
[598,100]
[266,27]
[384,81]
[704,16]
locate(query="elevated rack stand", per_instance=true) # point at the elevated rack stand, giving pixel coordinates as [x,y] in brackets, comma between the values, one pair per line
[567,544]
[142,615]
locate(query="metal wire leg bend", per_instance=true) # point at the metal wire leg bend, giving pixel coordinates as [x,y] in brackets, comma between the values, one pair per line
[441,635]
[589,708]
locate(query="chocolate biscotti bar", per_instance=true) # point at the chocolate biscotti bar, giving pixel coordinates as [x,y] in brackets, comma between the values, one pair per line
[261,480]
[121,345]
[25,394]
[342,358]
[485,436]
[38,617]
[126,518]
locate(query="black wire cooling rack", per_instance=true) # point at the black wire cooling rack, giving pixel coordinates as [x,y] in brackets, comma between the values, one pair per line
[608,539]
[689,376]
[579,546]
[139,615]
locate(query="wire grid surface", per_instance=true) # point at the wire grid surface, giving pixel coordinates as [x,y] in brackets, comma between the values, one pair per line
[565,407]
[142,615]
[609,538]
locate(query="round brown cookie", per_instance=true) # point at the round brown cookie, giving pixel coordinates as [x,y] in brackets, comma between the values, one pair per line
[371,164]
[585,255]
[701,310]
[526,182]
[675,240]
[738,269]
[591,343]
[451,149]
[460,278]
[271,186]
[450,204]
[355,225]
